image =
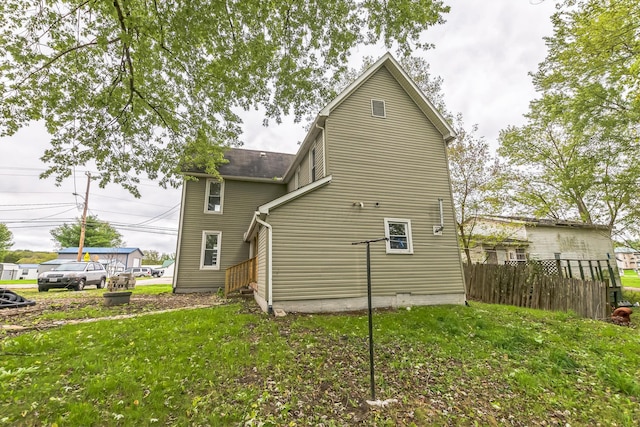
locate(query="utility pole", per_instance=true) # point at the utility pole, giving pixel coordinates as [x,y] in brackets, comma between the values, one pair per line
[83,225]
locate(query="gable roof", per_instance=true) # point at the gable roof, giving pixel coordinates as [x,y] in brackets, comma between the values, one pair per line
[548,222]
[250,164]
[255,164]
[98,250]
[395,69]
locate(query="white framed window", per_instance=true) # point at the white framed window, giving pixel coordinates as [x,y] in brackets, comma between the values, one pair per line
[214,194]
[312,165]
[297,178]
[210,255]
[398,231]
[378,108]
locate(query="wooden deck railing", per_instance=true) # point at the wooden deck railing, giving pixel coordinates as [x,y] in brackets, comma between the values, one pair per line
[241,275]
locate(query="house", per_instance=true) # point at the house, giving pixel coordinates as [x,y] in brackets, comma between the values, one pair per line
[129,257]
[28,271]
[372,165]
[168,268]
[627,258]
[501,239]
[9,271]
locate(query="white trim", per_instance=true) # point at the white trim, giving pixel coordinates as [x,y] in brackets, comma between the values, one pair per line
[206,196]
[384,109]
[174,280]
[264,209]
[409,249]
[206,233]
[269,262]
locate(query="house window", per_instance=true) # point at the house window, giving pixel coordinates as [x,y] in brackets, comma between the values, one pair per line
[210,258]
[398,231]
[378,108]
[313,165]
[297,178]
[520,254]
[213,198]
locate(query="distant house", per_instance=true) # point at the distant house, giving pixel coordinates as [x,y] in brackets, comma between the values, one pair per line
[129,257]
[168,267]
[501,239]
[373,165]
[627,258]
[28,271]
[9,271]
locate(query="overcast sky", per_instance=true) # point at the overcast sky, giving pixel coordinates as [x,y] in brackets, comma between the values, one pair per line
[483,52]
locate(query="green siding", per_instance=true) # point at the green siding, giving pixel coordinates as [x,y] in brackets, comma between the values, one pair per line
[398,162]
[241,199]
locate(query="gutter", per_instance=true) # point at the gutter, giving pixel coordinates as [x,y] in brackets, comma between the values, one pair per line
[270,264]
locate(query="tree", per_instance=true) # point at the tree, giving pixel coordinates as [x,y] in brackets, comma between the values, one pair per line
[5,240]
[477,182]
[151,87]
[28,257]
[591,76]
[98,234]
[577,155]
[150,257]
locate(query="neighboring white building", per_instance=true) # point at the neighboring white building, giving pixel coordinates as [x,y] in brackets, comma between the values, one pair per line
[503,239]
[9,271]
[28,271]
[627,258]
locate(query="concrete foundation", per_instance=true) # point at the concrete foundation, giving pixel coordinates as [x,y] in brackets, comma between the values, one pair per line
[330,305]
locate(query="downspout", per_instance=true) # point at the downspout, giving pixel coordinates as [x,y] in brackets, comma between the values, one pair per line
[270,264]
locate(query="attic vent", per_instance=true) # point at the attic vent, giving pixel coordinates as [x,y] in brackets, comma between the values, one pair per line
[263,154]
[377,108]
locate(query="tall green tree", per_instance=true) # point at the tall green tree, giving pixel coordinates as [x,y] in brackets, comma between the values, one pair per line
[478,182]
[5,240]
[145,87]
[591,75]
[97,234]
[578,154]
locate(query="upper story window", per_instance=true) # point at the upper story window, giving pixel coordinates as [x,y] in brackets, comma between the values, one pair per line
[398,231]
[210,256]
[313,165]
[378,108]
[213,196]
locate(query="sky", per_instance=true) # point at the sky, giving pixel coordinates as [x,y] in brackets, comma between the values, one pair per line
[483,53]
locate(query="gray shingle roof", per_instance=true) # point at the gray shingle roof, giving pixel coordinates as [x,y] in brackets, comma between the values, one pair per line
[255,163]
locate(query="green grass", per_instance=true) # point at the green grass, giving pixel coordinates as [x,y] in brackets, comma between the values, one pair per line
[18,282]
[630,279]
[230,365]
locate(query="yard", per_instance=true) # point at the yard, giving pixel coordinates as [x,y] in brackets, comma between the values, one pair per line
[229,364]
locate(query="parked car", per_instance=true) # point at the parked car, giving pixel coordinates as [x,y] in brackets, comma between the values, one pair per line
[157,272]
[138,271]
[73,275]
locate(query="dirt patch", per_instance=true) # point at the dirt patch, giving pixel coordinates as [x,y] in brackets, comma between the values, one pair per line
[49,313]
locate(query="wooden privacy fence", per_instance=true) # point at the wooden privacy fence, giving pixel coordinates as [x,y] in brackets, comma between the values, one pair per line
[240,275]
[527,287]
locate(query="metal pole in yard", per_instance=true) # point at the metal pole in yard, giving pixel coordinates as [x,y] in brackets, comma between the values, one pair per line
[371,365]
